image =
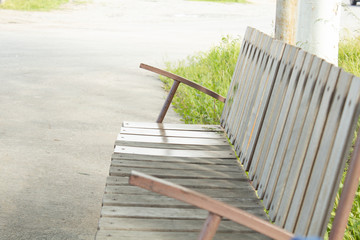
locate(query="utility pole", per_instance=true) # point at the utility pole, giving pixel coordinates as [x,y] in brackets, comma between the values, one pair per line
[318,28]
[285,23]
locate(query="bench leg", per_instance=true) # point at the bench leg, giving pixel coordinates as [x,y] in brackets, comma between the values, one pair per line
[210,226]
[168,102]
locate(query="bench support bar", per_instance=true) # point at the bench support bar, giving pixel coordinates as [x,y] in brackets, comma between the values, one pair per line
[167,102]
[348,194]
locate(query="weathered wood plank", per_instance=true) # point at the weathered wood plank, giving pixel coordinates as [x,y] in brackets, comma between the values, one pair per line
[177,166]
[174,152]
[242,80]
[316,158]
[153,235]
[155,200]
[172,133]
[125,171]
[128,156]
[235,82]
[160,212]
[173,225]
[246,149]
[314,92]
[269,137]
[170,126]
[323,156]
[153,212]
[191,183]
[336,162]
[237,112]
[172,142]
[245,191]
[235,78]
[258,70]
[292,126]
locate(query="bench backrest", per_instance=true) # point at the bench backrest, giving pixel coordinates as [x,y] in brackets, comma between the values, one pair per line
[291,117]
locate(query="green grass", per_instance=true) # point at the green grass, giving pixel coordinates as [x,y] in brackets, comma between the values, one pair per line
[214,69]
[33,5]
[211,69]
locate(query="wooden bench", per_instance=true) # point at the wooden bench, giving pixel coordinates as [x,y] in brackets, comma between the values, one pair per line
[290,118]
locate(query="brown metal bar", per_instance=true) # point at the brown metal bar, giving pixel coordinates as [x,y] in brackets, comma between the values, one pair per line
[204,202]
[167,102]
[184,80]
[347,196]
[210,226]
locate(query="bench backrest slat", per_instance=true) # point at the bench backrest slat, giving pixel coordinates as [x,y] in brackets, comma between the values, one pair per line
[320,163]
[273,113]
[287,117]
[242,94]
[334,168]
[239,77]
[281,128]
[234,85]
[291,127]
[298,143]
[254,87]
[246,150]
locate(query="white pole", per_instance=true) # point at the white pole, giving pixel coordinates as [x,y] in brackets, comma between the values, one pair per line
[285,23]
[318,28]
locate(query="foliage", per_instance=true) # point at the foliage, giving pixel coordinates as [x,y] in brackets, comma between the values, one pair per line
[214,70]
[211,69]
[32,5]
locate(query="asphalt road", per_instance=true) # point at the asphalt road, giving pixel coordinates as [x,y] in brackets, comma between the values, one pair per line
[68,79]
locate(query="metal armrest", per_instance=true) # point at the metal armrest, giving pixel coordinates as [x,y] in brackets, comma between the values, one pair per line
[177,80]
[217,210]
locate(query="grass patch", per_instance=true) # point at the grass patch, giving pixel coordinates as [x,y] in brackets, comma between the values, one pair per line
[33,5]
[214,69]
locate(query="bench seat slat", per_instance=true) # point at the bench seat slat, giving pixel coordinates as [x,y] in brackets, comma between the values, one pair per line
[171,133]
[218,193]
[172,142]
[154,200]
[174,152]
[198,160]
[174,225]
[159,235]
[169,126]
[177,166]
[125,171]
[190,183]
